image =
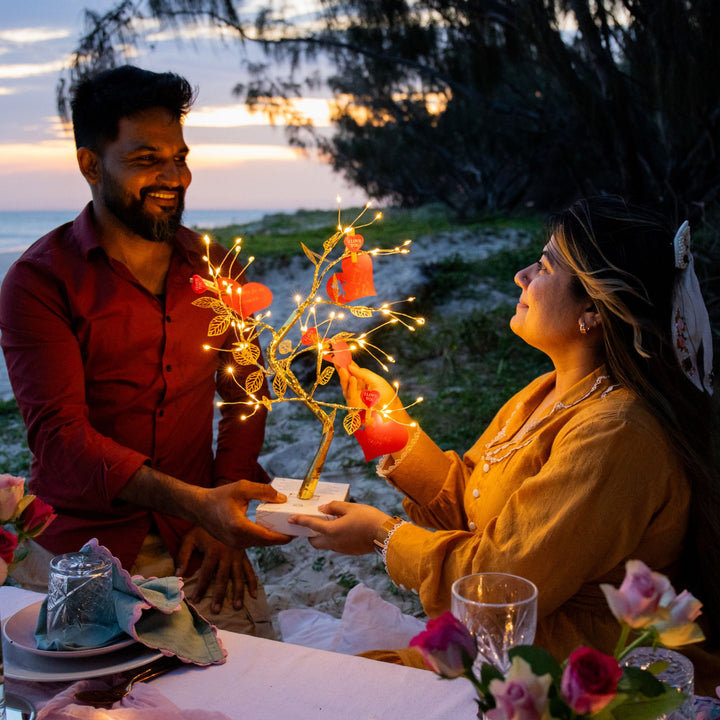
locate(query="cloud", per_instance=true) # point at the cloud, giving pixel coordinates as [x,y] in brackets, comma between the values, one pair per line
[208,155]
[317,109]
[16,72]
[54,155]
[29,35]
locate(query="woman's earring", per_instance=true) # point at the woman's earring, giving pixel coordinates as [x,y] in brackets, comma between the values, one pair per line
[583,327]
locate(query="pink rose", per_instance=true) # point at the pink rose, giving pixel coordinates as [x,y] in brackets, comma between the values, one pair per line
[679,628]
[36,517]
[11,491]
[522,695]
[590,680]
[8,543]
[446,645]
[638,600]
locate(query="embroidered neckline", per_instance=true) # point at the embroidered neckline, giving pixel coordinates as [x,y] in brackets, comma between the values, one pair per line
[503,450]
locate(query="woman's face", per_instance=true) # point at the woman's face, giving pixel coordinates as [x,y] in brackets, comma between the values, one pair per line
[548,311]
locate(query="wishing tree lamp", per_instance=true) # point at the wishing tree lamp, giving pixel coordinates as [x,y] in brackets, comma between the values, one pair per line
[239,307]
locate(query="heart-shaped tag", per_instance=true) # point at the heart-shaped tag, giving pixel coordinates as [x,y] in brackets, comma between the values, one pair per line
[370,398]
[198,284]
[355,281]
[245,299]
[380,437]
[310,336]
[353,242]
[339,355]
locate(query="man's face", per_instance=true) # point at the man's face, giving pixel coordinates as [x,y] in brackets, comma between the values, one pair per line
[144,174]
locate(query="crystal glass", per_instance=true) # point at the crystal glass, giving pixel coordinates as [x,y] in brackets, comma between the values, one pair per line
[679,674]
[79,597]
[499,610]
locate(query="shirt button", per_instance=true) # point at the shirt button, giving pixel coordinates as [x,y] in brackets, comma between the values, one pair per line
[472,525]
[486,467]
[168,318]
[476,493]
[161,412]
[168,368]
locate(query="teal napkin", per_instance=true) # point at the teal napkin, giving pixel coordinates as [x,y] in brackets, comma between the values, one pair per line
[154,611]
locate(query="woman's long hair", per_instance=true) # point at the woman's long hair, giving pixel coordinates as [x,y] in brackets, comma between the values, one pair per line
[623,258]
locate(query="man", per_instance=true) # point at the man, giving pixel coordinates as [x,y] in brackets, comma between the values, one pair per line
[105,355]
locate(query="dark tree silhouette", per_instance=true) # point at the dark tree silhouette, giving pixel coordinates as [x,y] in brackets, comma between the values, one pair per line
[479,104]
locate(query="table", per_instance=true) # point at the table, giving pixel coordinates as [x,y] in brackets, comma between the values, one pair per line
[266,679]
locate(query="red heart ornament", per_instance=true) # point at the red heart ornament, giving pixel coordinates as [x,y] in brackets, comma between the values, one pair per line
[310,336]
[353,242]
[355,281]
[198,284]
[339,355]
[244,299]
[380,437]
[370,397]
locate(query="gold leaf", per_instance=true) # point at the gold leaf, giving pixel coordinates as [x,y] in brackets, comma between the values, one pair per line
[285,347]
[326,374]
[352,423]
[279,386]
[313,257]
[218,325]
[206,301]
[246,353]
[344,335]
[361,312]
[254,382]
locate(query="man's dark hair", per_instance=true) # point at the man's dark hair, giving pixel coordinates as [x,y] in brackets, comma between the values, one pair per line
[99,101]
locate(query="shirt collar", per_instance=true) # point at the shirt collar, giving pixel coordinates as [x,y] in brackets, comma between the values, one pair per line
[188,244]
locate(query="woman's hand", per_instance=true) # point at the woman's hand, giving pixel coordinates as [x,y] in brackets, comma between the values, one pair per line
[355,379]
[351,533]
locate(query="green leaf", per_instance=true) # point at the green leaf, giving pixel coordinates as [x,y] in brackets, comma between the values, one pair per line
[644,708]
[541,662]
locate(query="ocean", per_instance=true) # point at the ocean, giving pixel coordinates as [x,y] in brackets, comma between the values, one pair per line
[20,228]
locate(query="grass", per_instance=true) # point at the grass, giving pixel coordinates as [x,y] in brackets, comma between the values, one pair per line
[278,236]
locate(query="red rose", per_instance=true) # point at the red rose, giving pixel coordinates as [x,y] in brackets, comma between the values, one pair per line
[446,645]
[36,517]
[8,543]
[590,680]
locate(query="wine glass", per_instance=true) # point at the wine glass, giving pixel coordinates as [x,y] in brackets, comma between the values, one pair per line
[499,610]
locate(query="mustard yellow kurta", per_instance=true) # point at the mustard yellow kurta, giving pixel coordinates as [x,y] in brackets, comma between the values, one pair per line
[564,504]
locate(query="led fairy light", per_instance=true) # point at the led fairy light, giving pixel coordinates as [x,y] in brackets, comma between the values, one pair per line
[345,277]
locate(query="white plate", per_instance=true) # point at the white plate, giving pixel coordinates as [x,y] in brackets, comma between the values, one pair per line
[22,665]
[19,630]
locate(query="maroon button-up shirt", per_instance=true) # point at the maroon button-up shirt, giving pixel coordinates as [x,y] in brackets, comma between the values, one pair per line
[108,377]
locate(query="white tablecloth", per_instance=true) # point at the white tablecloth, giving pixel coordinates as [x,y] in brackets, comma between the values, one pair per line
[264,679]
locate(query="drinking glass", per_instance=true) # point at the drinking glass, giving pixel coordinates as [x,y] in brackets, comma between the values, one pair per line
[679,674]
[79,597]
[499,610]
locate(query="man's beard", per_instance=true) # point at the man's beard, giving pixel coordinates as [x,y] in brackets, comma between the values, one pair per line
[130,211]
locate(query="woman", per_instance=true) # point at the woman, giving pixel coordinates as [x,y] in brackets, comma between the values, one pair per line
[605,459]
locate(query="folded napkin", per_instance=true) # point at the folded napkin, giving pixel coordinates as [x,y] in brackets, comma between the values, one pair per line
[143,703]
[154,611]
[368,623]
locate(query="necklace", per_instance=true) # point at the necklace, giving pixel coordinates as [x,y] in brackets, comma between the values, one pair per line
[504,449]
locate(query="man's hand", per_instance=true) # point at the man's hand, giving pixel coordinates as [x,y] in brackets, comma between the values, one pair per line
[219,565]
[223,514]
[352,532]
[221,510]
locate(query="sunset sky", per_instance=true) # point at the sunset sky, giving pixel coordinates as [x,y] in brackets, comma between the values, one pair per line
[238,161]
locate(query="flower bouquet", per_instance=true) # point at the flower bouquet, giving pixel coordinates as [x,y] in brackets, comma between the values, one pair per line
[22,516]
[589,683]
